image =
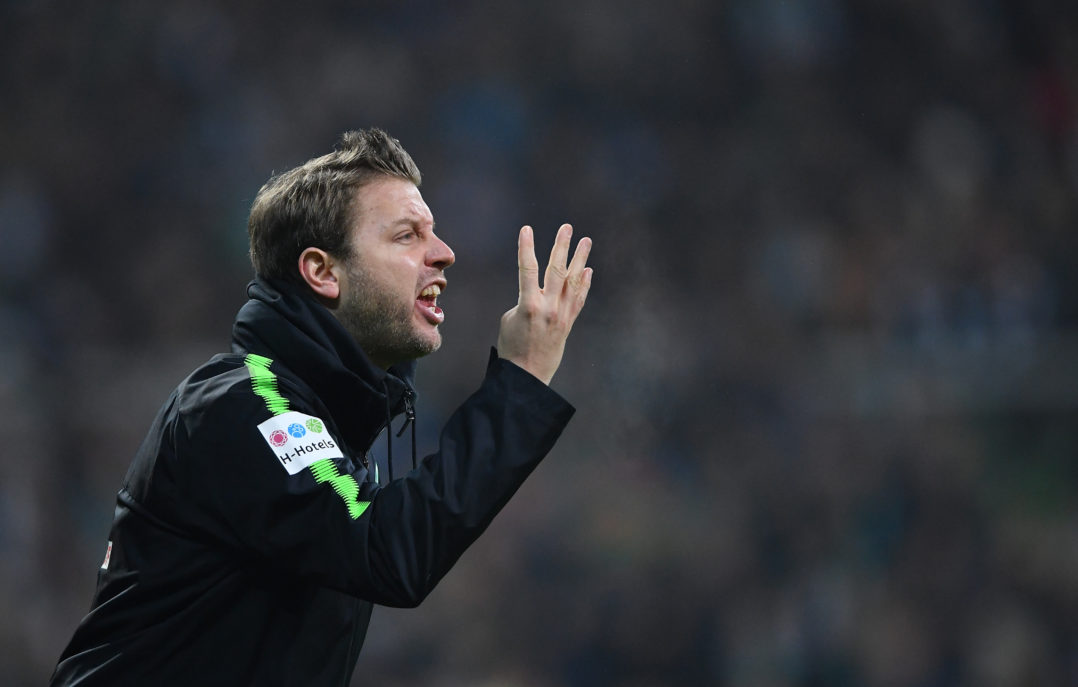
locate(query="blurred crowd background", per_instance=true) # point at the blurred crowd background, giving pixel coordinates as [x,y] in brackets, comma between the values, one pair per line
[827,378]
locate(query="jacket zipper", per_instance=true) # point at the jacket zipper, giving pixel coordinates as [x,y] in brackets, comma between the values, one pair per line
[409,411]
[409,419]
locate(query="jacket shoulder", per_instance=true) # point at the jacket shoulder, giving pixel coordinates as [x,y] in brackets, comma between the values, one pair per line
[234,383]
[210,422]
[212,448]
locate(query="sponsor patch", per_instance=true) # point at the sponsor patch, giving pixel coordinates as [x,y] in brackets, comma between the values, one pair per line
[298,440]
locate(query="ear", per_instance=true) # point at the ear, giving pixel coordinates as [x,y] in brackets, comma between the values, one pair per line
[321,272]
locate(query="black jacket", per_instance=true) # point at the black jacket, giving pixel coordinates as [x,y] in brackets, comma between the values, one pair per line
[225,568]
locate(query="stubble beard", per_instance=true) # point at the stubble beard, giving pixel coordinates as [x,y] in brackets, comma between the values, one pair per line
[381,325]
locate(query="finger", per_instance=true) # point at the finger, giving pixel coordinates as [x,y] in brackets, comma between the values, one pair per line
[575,301]
[559,254]
[527,264]
[580,261]
[582,295]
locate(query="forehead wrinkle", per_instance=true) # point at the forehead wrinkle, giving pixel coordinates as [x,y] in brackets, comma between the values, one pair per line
[421,211]
[410,221]
[404,206]
[414,216]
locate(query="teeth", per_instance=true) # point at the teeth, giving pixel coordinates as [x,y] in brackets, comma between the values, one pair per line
[432,290]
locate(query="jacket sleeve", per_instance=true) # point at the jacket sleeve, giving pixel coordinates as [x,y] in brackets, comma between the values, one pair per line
[389,545]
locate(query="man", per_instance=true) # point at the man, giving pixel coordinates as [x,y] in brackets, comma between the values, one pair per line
[252,534]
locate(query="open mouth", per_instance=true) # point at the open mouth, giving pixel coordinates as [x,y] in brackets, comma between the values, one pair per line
[428,304]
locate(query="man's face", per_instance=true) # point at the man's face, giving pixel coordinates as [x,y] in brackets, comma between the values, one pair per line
[392,281]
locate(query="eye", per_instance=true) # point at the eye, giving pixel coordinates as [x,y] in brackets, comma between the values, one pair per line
[406,236]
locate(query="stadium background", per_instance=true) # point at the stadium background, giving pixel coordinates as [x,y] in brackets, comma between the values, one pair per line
[827,377]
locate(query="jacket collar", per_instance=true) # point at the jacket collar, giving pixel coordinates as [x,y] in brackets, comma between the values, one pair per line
[287,324]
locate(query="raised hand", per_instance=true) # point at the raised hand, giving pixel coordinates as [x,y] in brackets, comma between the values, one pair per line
[533,332]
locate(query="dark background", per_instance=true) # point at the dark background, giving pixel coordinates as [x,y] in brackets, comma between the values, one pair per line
[827,377]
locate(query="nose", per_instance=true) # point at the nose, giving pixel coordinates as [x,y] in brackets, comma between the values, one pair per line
[440,254]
